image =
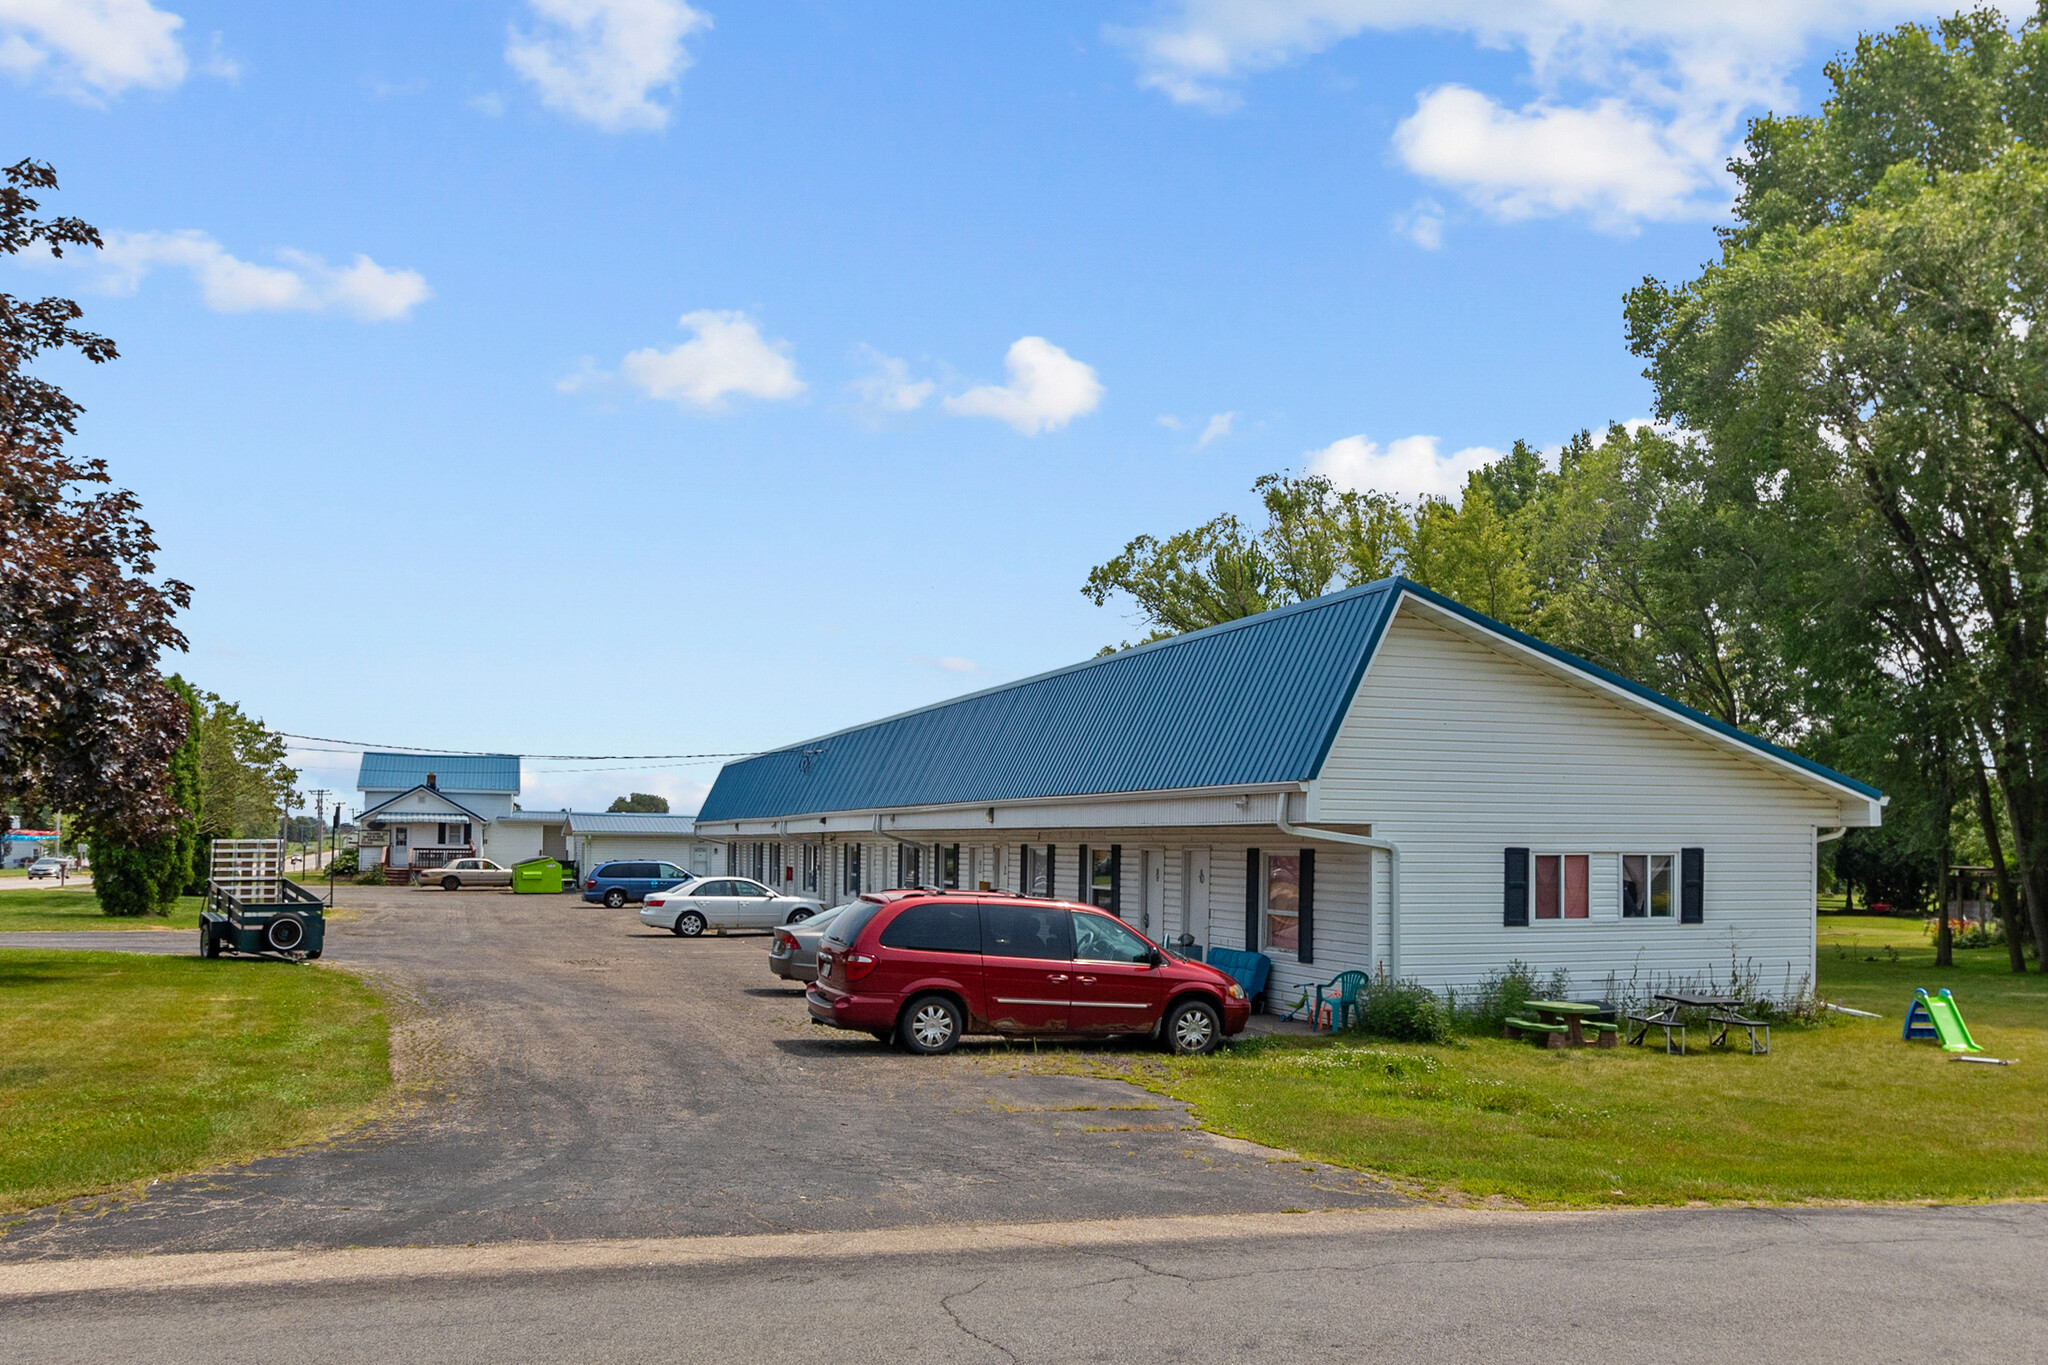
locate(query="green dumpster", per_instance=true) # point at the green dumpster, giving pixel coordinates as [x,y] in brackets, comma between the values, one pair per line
[537,875]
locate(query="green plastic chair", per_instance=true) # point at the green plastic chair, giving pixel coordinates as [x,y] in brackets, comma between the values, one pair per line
[1341,995]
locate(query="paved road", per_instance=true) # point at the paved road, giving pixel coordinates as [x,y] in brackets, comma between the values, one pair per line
[593,1079]
[1683,1286]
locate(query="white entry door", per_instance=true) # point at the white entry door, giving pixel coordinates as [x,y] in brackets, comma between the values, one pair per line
[1194,896]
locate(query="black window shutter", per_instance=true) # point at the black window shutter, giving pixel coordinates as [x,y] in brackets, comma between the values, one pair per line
[1307,931]
[1251,900]
[1116,880]
[1515,907]
[1692,887]
[1084,880]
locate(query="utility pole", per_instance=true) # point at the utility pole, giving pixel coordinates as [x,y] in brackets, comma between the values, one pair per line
[320,795]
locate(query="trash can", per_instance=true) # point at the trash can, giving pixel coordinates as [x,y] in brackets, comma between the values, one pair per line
[537,876]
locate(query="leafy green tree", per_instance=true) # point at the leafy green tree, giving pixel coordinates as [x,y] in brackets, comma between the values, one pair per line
[1868,363]
[639,803]
[146,877]
[1316,539]
[1470,552]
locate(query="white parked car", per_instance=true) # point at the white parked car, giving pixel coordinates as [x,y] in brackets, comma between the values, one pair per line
[723,903]
[466,872]
[50,867]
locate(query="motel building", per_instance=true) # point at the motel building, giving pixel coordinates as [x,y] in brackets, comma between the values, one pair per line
[1380,779]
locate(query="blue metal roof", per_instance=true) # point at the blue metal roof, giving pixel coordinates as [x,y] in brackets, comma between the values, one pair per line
[1241,704]
[452,772]
[1247,702]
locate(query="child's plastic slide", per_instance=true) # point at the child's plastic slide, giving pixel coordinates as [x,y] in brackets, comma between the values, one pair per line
[1937,1017]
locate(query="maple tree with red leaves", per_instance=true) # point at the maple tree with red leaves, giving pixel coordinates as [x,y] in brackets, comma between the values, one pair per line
[87,723]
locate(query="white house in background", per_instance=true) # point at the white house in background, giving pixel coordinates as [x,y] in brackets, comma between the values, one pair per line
[427,810]
[1377,779]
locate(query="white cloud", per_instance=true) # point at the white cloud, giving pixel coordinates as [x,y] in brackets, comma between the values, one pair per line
[951,663]
[1048,389]
[1169,421]
[602,60]
[91,49]
[228,284]
[1422,224]
[727,356]
[1410,468]
[888,387]
[586,375]
[1218,428]
[1638,102]
[1605,160]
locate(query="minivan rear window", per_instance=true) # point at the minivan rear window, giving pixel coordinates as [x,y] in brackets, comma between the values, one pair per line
[936,927]
[847,927]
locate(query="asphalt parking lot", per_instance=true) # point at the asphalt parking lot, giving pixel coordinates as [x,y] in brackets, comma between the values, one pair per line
[573,1074]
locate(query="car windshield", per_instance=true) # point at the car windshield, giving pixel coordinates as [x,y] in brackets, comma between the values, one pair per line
[852,919]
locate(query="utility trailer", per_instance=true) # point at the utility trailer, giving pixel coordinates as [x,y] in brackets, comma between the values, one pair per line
[252,908]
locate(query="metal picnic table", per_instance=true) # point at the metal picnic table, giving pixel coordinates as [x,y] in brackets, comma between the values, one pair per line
[1722,1011]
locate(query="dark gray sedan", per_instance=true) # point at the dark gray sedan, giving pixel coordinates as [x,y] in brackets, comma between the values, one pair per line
[793,948]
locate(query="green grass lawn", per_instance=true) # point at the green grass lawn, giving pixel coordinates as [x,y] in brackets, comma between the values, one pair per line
[116,1068]
[80,909]
[1842,1110]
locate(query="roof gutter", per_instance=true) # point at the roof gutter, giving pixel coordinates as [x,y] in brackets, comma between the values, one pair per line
[1393,852]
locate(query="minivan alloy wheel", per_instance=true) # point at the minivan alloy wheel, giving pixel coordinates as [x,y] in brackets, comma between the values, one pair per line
[932,1025]
[614,898]
[1192,1029]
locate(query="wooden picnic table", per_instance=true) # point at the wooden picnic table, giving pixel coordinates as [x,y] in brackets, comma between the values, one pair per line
[1571,1013]
[1699,1000]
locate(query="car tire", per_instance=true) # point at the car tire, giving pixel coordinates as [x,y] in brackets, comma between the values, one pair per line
[614,898]
[931,1026]
[689,924]
[451,883]
[799,916]
[886,1037]
[1193,1028]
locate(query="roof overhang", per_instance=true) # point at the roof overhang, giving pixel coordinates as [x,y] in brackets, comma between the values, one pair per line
[384,814]
[1859,806]
[1203,807]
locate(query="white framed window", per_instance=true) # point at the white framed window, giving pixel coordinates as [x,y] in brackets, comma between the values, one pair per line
[1649,887]
[1283,902]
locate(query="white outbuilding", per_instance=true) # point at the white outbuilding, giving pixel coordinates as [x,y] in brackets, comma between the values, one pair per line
[1381,779]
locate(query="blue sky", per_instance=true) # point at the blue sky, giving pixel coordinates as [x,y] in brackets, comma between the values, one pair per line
[623,376]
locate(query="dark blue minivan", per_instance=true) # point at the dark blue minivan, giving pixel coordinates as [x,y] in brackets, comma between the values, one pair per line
[616,884]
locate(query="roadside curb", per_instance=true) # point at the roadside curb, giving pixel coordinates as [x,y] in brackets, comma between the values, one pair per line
[244,1270]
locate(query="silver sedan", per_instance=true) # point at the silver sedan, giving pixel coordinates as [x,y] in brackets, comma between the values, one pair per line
[793,949]
[721,904]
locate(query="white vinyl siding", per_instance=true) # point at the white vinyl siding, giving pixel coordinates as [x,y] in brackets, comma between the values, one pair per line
[1455,751]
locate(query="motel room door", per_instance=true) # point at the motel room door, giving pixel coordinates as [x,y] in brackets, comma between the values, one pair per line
[1194,898]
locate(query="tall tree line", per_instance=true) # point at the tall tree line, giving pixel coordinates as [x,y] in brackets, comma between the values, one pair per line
[1834,535]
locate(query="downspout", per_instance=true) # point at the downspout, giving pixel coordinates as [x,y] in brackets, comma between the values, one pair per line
[1831,835]
[908,843]
[1393,852]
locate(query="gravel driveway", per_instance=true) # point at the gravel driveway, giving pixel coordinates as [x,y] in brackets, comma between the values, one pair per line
[577,1075]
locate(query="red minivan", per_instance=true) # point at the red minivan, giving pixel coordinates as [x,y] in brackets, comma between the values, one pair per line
[926,968]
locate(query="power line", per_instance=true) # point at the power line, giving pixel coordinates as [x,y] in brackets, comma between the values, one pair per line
[482,753]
